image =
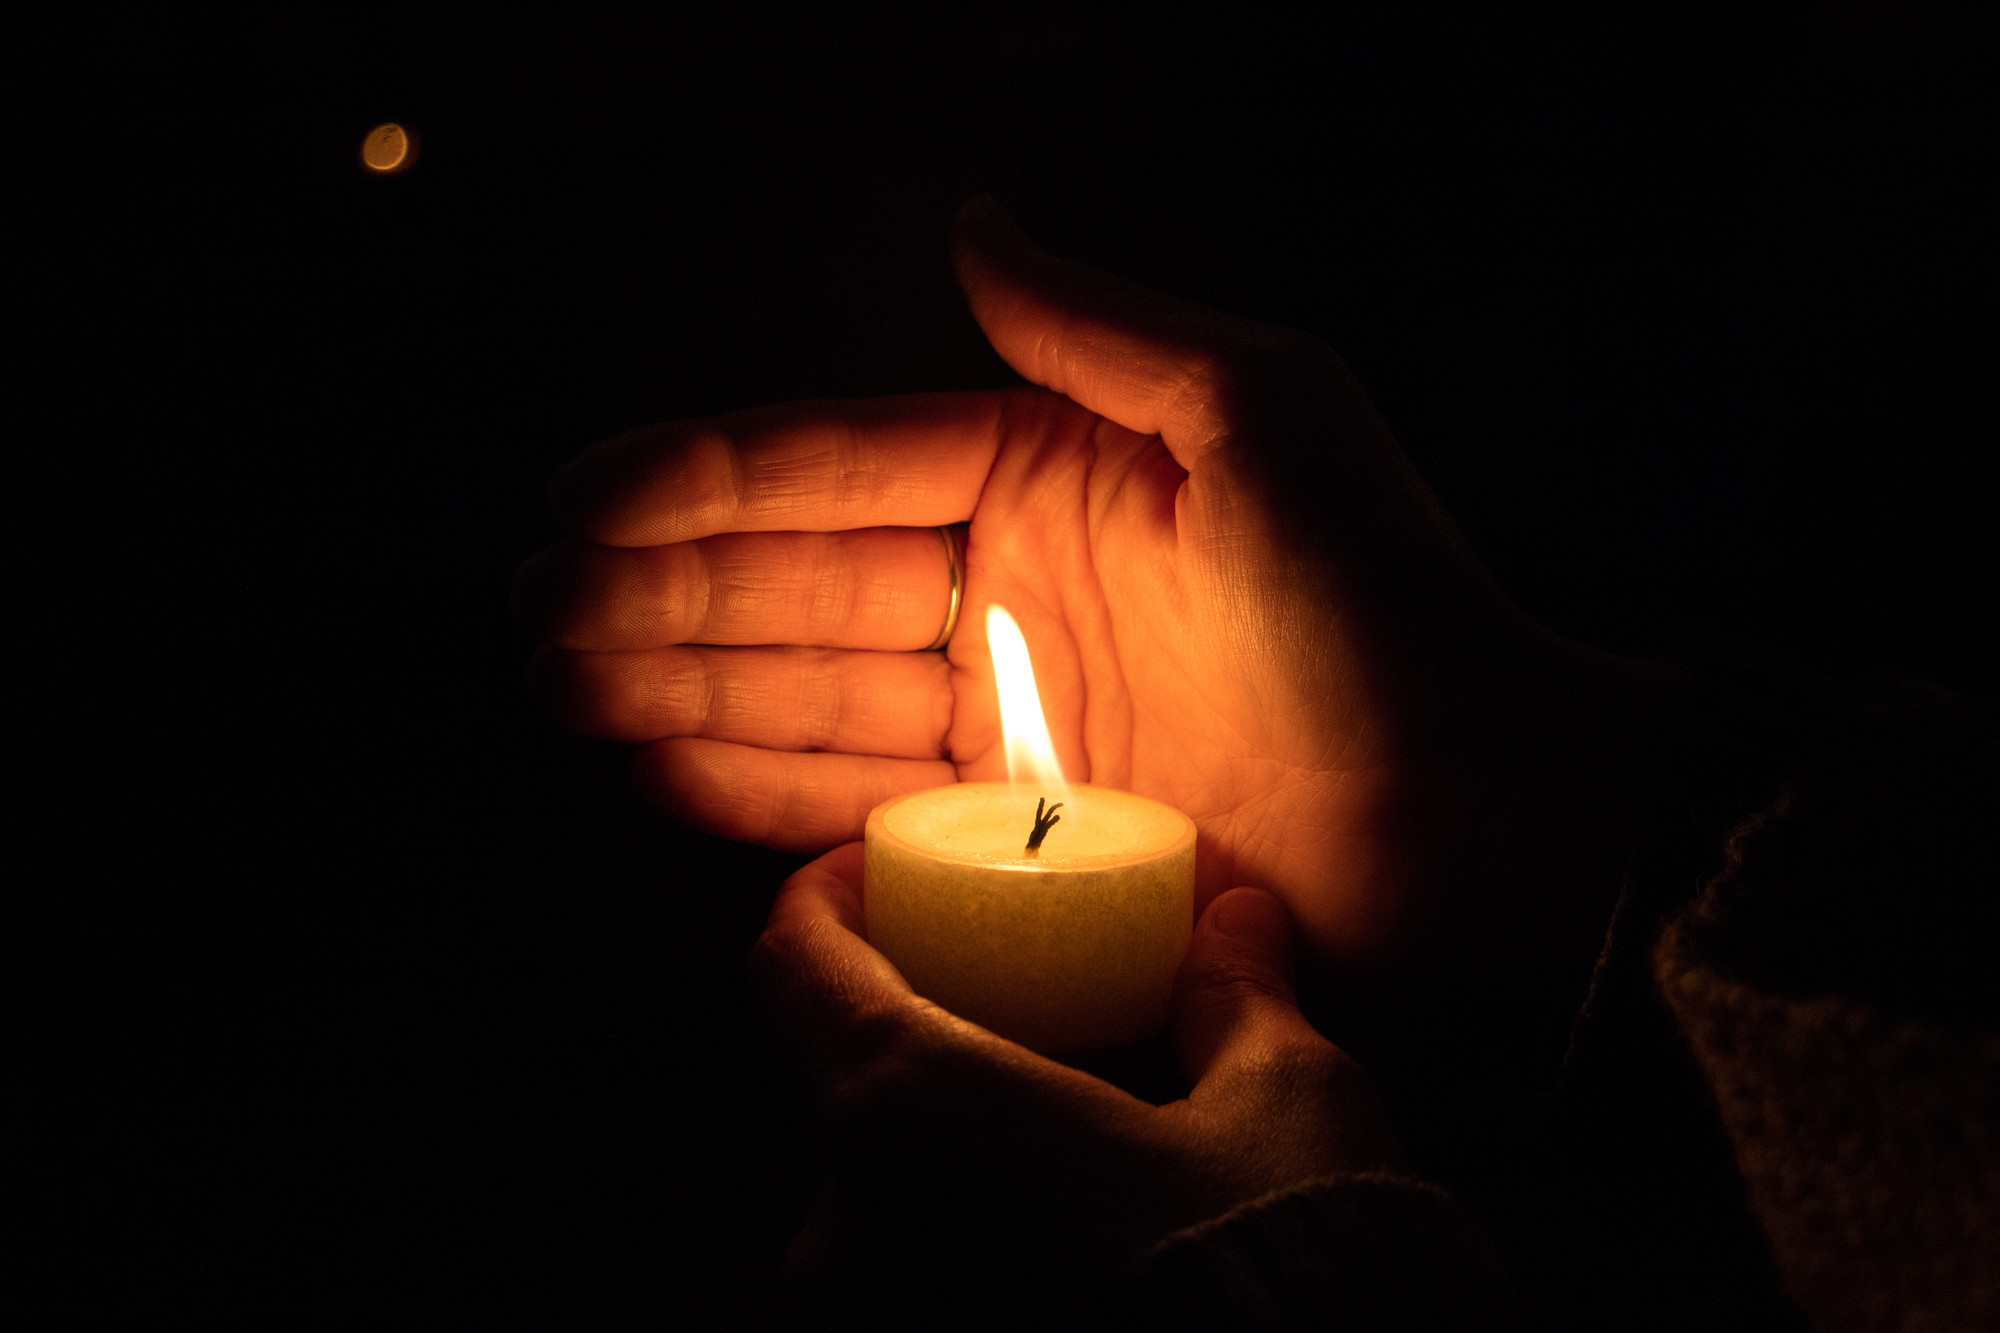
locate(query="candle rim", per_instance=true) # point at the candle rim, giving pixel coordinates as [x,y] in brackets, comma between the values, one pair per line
[1046,864]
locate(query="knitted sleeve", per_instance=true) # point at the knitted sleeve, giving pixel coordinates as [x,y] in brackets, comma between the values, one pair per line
[1362,1252]
[1837,986]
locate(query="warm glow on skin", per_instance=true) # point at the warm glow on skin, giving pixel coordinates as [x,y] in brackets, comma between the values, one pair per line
[387,149]
[1031,755]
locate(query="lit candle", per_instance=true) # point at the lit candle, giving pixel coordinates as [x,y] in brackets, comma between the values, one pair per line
[1055,915]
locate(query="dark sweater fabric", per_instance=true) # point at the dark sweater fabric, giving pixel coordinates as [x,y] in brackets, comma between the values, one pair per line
[1363,1252]
[1785,1076]
[1837,983]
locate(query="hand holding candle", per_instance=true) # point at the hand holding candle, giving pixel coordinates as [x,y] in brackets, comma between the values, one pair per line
[968,1171]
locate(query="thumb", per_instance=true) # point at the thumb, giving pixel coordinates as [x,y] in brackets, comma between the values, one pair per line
[1233,999]
[1146,361]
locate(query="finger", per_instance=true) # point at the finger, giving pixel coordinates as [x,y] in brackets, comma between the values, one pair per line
[915,461]
[797,802]
[898,705]
[828,890]
[880,588]
[1233,999]
[1153,364]
[841,1006]
[826,991]
[1200,380]
[1259,1066]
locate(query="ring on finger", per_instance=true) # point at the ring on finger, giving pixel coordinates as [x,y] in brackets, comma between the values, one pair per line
[953,537]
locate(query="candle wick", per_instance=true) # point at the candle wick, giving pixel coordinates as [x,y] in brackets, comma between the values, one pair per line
[1043,823]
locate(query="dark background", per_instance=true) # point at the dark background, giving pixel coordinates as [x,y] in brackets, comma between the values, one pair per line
[375,995]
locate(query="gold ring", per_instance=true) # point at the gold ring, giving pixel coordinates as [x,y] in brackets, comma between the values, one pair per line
[954,559]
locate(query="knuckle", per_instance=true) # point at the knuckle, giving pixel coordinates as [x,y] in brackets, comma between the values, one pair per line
[820,702]
[639,589]
[943,705]
[675,695]
[733,705]
[661,483]
[738,815]
[860,473]
[782,480]
[1231,381]
[1234,979]
[828,591]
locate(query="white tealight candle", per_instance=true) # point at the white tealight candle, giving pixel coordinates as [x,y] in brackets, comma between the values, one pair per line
[1073,947]
[1068,944]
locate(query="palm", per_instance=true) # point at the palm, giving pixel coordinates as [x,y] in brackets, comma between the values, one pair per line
[1158,669]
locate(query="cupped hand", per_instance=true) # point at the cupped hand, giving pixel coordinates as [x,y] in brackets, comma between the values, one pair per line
[962,1160]
[1239,597]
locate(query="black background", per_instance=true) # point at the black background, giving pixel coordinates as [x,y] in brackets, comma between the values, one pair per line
[378,996]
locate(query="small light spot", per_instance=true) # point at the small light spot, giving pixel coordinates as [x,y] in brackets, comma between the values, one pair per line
[388,149]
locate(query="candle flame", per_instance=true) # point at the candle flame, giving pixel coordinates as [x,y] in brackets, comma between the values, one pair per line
[1031,756]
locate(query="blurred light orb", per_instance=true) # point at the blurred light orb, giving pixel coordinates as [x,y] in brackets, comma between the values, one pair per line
[388,149]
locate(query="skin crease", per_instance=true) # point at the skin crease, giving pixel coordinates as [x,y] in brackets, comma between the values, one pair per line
[1241,600]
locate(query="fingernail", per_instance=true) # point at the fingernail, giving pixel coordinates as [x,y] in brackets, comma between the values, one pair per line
[1250,914]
